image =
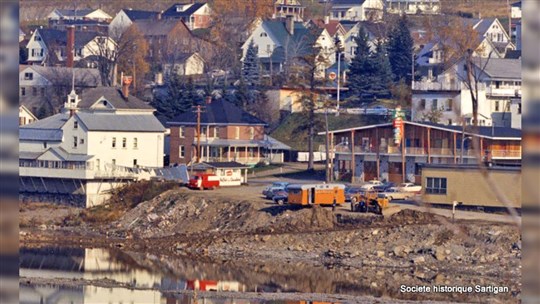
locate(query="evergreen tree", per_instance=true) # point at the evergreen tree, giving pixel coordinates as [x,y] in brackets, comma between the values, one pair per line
[400,50]
[179,96]
[250,66]
[382,78]
[243,95]
[359,64]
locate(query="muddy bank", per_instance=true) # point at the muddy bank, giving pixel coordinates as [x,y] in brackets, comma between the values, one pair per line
[360,252]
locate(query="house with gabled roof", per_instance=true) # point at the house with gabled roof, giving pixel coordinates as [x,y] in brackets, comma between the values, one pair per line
[284,8]
[78,14]
[424,7]
[51,47]
[125,18]
[102,140]
[375,30]
[499,93]
[194,15]
[227,133]
[282,41]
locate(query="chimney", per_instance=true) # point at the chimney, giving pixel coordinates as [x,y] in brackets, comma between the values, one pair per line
[159,15]
[70,45]
[326,19]
[289,24]
[126,81]
[208,99]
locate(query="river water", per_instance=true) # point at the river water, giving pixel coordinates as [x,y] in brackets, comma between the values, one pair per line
[145,271]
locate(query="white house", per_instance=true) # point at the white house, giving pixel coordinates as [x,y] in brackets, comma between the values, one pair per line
[374,30]
[26,116]
[516,10]
[99,142]
[356,10]
[39,85]
[499,93]
[186,64]
[125,18]
[277,41]
[50,46]
[413,6]
[78,14]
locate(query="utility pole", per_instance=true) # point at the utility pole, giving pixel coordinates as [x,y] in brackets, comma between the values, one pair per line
[328,170]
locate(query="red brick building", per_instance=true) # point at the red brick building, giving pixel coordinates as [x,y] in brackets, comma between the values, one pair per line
[228,133]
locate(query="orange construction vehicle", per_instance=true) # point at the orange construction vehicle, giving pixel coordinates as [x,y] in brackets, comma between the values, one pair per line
[316,194]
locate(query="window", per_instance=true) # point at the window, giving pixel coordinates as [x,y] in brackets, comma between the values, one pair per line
[216,132]
[135,143]
[114,162]
[449,104]
[434,105]
[497,106]
[114,142]
[34,91]
[181,151]
[135,163]
[519,108]
[23,91]
[81,141]
[44,145]
[124,143]
[263,34]
[436,185]
[37,38]
[237,135]
[422,104]
[181,132]
[75,124]
[75,142]
[42,91]
[204,131]
[28,76]
[251,133]
[268,48]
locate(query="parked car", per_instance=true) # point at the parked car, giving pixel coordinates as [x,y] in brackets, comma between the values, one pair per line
[408,187]
[281,197]
[351,192]
[268,192]
[379,110]
[394,194]
[370,184]
[384,187]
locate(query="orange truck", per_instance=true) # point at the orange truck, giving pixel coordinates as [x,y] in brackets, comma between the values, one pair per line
[316,194]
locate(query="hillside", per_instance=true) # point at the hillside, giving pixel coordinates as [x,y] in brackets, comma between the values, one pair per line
[293,133]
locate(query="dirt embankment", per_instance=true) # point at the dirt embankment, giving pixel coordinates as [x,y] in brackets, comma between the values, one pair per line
[409,247]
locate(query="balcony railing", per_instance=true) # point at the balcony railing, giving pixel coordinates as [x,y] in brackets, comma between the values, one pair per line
[436,86]
[504,92]
[506,154]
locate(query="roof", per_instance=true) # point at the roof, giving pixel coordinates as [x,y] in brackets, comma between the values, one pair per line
[153,27]
[172,12]
[75,13]
[46,129]
[331,27]
[139,14]
[483,131]
[125,123]
[114,96]
[53,37]
[219,112]
[516,4]
[348,2]
[225,164]
[66,156]
[83,76]
[501,68]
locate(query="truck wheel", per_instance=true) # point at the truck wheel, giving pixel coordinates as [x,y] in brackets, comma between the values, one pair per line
[362,207]
[378,209]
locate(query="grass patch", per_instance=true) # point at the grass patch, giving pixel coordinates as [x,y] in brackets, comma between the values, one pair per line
[124,199]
